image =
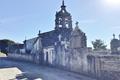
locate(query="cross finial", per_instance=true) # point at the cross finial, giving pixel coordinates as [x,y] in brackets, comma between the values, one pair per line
[63,3]
[113,36]
[77,23]
[39,33]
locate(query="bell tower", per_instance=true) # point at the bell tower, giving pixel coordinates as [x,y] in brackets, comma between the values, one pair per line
[63,18]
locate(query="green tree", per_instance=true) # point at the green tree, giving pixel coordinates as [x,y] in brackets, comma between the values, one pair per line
[4,44]
[98,44]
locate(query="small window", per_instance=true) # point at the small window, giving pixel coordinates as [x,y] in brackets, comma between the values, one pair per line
[66,19]
[60,19]
[63,11]
[67,25]
[60,25]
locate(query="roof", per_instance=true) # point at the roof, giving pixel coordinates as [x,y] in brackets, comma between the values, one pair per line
[49,38]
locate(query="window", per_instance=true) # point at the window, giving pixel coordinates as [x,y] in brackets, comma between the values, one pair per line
[67,25]
[60,25]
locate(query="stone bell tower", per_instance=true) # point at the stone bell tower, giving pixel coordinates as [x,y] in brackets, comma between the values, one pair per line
[63,18]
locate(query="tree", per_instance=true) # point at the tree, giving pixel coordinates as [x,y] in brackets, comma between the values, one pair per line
[4,44]
[98,45]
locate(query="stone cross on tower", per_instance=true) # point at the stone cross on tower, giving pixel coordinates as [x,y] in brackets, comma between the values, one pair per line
[63,3]
[39,33]
[77,26]
[113,36]
[77,23]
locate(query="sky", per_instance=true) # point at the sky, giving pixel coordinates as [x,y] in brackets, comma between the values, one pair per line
[99,19]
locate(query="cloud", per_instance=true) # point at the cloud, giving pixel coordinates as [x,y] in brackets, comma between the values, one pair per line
[88,21]
[115,27]
[13,19]
[10,19]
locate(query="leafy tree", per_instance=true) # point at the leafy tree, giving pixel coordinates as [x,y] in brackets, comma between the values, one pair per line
[4,44]
[98,45]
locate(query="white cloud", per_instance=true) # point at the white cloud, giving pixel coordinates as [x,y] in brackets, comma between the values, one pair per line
[115,27]
[111,6]
[88,21]
[9,19]
[12,19]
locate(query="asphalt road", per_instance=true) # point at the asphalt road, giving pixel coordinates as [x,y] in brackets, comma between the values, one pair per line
[30,71]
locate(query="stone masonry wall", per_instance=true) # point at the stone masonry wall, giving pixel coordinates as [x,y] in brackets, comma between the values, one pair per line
[104,67]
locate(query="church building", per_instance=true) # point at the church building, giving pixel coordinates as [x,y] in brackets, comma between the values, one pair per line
[64,46]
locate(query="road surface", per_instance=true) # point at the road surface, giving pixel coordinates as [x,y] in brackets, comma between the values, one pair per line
[19,70]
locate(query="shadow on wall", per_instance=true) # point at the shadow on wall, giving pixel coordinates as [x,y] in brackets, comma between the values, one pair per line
[4,64]
[29,76]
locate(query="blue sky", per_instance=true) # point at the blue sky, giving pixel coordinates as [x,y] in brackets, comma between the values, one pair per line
[20,18]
